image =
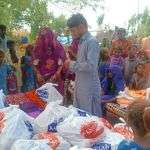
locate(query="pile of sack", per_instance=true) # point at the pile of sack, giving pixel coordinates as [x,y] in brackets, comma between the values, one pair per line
[55,128]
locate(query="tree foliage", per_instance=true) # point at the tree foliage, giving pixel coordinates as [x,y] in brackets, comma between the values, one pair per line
[77,5]
[16,14]
[140,24]
[100,20]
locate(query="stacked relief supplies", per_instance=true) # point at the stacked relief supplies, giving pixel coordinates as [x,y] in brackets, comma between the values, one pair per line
[56,128]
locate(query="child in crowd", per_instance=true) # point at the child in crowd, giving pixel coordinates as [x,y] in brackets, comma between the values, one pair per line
[13,79]
[11,46]
[138,119]
[103,63]
[139,80]
[28,72]
[113,83]
[5,69]
[130,64]
[117,59]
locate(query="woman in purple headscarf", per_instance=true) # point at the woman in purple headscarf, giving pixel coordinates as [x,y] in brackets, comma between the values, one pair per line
[48,55]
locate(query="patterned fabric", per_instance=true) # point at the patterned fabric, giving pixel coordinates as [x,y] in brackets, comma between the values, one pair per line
[123,44]
[119,61]
[12,83]
[17,99]
[50,54]
[116,109]
[4,72]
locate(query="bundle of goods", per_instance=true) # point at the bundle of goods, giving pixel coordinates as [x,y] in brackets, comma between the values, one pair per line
[55,141]
[124,130]
[2,99]
[50,117]
[56,127]
[14,125]
[34,102]
[88,132]
[31,145]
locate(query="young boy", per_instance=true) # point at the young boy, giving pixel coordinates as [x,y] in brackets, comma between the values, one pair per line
[130,64]
[5,69]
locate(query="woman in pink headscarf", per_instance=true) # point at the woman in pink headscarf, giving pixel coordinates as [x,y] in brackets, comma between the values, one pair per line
[48,56]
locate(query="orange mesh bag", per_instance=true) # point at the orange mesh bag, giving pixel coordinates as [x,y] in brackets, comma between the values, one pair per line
[106,123]
[91,130]
[35,99]
[124,130]
[51,137]
[16,99]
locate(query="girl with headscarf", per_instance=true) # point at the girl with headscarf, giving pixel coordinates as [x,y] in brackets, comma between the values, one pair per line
[28,73]
[113,82]
[48,55]
[121,42]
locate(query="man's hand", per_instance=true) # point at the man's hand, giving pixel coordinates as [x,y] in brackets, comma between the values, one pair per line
[66,64]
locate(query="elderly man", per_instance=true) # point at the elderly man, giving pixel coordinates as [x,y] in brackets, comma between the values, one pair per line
[87,84]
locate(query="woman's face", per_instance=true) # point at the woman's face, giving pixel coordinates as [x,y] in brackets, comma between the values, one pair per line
[118,53]
[109,75]
[140,69]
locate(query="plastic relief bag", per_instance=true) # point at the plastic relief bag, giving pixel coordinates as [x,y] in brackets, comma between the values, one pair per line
[124,130]
[49,93]
[81,131]
[50,117]
[54,140]
[110,141]
[2,99]
[79,148]
[14,125]
[31,145]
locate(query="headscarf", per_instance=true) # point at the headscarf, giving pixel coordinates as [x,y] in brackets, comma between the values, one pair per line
[118,80]
[47,40]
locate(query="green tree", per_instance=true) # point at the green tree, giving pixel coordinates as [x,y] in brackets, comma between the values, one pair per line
[100,20]
[80,4]
[140,24]
[59,23]
[34,13]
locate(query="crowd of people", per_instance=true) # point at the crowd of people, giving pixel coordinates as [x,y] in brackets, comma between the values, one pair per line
[99,73]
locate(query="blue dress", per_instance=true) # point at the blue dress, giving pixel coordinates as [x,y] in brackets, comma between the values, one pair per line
[103,66]
[130,145]
[28,75]
[4,71]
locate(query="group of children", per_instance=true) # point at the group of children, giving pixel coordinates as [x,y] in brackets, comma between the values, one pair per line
[117,72]
[17,72]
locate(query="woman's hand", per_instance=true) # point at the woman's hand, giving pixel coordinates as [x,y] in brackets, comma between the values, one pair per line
[40,79]
[35,62]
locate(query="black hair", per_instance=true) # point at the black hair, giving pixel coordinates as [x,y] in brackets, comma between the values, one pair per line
[10,42]
[3,27]
[75,20]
